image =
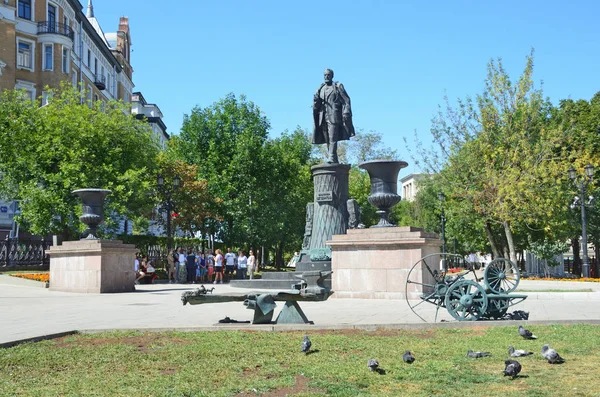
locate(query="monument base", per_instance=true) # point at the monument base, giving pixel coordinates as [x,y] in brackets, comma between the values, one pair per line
[92,266]
[374,263]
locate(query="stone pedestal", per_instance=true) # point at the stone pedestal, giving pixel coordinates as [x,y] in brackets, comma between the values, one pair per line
[92,266]
[374,263]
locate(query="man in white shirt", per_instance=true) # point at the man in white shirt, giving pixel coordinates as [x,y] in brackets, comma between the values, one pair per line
[181,259]
[229,263]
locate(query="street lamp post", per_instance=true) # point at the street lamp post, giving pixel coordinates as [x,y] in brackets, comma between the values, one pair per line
[166,191]
[441,197]
[581,184]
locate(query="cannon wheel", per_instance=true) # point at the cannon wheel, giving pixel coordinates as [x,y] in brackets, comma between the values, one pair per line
[501,276]
[466,301]
[436,290]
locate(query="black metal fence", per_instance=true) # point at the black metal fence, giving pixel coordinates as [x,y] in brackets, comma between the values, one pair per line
[24,253]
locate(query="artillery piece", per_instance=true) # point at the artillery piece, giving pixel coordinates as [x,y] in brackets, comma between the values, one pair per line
[309,288]
[465,299]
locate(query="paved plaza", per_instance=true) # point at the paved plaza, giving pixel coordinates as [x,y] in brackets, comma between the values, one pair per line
[27,310]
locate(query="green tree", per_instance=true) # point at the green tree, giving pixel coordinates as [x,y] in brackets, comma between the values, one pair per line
[499,157]
[47,152]
[225,141]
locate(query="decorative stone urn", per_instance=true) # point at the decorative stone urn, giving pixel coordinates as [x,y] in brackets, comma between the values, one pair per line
[92,201]
[384,187]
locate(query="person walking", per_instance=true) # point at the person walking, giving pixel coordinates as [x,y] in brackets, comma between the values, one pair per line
[242,265]
[218,268]
[251,264]
[171,266]
[190,261]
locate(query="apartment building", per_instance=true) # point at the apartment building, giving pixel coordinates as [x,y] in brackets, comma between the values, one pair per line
[142,109]
[44,42]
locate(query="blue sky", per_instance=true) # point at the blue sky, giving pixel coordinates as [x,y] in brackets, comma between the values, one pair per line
[395,58]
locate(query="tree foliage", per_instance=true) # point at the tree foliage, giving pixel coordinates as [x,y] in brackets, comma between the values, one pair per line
[47,152]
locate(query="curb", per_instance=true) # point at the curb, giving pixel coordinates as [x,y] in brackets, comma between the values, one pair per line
[37,339]
[308,327]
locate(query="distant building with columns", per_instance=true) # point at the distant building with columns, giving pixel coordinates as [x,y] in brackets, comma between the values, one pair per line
[410,185]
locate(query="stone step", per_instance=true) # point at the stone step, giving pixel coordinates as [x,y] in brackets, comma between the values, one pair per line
[262,284]
[279,276]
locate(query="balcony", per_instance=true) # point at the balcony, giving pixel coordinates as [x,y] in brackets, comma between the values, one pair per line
[100,82]
[46,27]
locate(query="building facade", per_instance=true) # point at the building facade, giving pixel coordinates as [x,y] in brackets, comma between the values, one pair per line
[151,112]
[44,42]
[410,185]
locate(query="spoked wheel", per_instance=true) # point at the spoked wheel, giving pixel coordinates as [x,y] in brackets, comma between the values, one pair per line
[466,300]
[427,283]
[501,276]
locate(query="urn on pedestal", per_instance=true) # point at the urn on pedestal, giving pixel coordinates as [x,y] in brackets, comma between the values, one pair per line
[384,187]
[92,201]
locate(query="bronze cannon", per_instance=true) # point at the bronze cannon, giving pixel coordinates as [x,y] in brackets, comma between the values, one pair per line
[310,287]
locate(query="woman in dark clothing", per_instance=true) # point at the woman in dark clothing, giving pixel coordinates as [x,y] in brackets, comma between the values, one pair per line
[190,267]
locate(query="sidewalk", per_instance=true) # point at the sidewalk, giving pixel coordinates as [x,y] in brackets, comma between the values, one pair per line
[27,312]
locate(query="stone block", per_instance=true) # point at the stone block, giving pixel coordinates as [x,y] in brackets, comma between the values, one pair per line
[374,263]
[92,266]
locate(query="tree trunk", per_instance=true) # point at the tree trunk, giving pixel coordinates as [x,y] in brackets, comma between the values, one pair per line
[279,256]
[576,258]
[491,240]
[511,242]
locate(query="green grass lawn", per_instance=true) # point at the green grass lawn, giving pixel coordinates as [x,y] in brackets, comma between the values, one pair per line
[238,363]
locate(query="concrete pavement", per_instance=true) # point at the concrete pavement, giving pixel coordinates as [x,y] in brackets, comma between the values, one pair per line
[27,312]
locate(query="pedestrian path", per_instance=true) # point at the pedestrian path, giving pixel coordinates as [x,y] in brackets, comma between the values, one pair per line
[27,312]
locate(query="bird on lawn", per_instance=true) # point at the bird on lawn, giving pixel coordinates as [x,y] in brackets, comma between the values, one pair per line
[373,364]
[408,357]
[518,352]
[512,368]
[473,354]
[306,344]
[551,355]
[525,333]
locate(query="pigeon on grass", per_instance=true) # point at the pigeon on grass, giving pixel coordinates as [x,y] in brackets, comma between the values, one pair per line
[512,368]
[408,357]
[551,355]
[306,344]
[518,352]
[525,333]
[473,354]
[373,364]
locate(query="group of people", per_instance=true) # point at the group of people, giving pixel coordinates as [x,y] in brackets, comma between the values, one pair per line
[190,267]
[143,267]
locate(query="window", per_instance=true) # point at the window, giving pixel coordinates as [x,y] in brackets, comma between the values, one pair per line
[89,63]
[25,9]
[51,18]
[96,67]
[28,87]
[45,97]
[48,56]
[65,60]
[74,78]
[25,55]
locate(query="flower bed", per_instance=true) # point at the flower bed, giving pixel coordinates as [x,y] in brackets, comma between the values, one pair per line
[582,279]
[43,277]
[455,270]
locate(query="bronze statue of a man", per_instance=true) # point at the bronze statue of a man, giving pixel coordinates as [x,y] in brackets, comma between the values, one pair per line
[332,115]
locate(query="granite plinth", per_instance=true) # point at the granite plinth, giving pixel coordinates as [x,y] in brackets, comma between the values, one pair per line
[374,263]
[92,266]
